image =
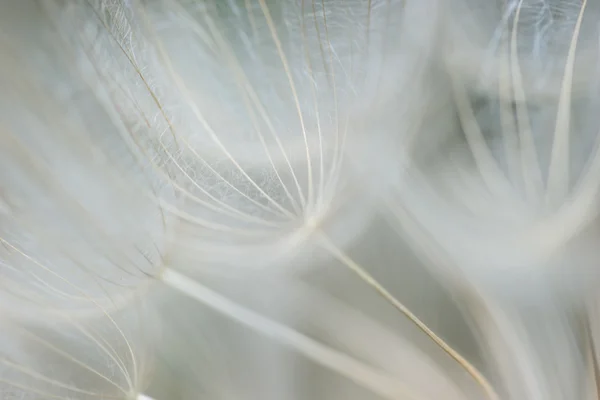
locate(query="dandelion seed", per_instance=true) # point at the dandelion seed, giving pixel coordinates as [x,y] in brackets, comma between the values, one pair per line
[165,158]
[126,169]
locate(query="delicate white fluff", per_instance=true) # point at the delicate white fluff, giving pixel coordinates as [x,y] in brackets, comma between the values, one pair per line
[105,357]
[477,34]
[301,199]
[513,197]
[248,127]
[80,227]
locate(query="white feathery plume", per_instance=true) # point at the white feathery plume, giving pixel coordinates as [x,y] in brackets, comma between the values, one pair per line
[74,357]
[250,182]
[79,233]
[520,182]
[99,205]
[507,208]
[476,35]
[189,191]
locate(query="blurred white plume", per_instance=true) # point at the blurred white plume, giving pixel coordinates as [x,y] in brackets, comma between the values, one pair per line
[301,199]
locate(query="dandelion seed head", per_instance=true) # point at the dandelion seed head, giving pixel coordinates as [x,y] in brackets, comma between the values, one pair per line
[166,164]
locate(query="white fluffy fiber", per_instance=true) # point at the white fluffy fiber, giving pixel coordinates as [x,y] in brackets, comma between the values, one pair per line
[302,199]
